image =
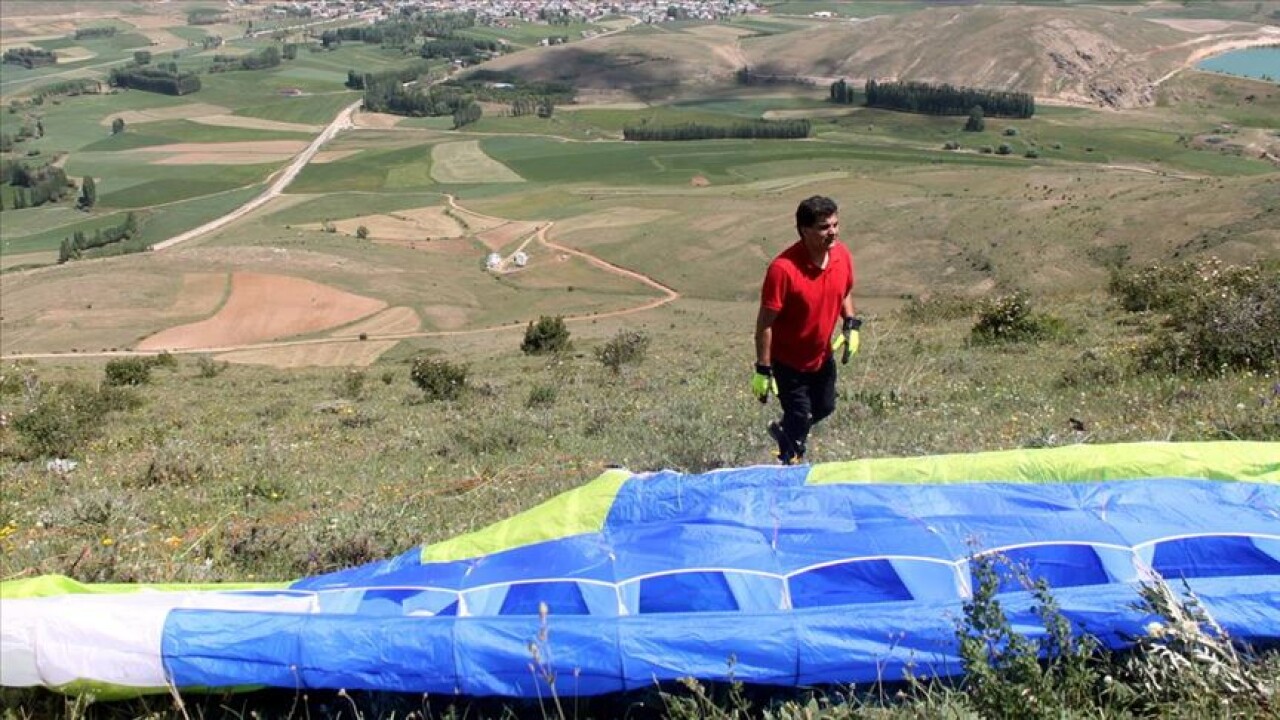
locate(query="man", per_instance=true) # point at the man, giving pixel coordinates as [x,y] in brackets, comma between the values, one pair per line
[807,288]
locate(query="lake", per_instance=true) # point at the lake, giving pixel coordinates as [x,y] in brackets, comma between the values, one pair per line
[1260,62]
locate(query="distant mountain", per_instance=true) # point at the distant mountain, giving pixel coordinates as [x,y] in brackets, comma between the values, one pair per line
[1083,55]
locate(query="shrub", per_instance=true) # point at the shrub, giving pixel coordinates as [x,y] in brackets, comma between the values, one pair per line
[207,367]
[627,347]
[164,360]
[939,308]
[542,396]
[1032,154]
[1009,318]
[1011,131]
[65,417]
[548,335]
[1004,149]
[351,384]
[1217,317]
[951,145]
[362,232]
[438,379]
[127,371]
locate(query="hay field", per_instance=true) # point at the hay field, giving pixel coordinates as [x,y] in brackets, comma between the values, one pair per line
[465,162]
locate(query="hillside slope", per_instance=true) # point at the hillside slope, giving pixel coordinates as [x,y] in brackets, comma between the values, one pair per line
[1079,55]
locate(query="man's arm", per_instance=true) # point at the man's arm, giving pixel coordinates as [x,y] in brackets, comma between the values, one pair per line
[847,308]
[764,335]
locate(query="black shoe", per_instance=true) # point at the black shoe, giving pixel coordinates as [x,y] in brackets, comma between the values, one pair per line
[786,449]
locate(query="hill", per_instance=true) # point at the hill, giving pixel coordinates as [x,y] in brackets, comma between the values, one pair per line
[1078,55]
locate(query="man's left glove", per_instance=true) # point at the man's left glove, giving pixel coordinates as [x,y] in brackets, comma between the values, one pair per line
[848,339]
[763,383]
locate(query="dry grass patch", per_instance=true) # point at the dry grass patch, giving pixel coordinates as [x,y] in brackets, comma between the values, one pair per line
[465,162]
[265,307]
[446,317]
[178,112]
[392,321]
[74,54]
[499,237]
[335,354]
[613,217]
[254,123]
[416,225]
[201,293]
[328,156]
[34,258]
[378,121]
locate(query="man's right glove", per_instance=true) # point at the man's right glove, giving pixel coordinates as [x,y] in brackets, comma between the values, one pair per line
[848,338]
[763,383]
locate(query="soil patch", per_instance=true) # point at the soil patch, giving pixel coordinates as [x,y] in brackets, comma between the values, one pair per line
[419,224]
[699,181]
[811,112]
[613,217]
[337,354]
[74,54]
[201,294]
[265,307]
[1195,26]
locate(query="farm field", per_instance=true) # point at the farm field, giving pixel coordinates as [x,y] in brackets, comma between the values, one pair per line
[279,431]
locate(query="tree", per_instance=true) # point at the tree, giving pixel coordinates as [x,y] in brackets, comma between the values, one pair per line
[362,232]
[88,193]
[117,126]
[142,57]
[975,123]
[549,335]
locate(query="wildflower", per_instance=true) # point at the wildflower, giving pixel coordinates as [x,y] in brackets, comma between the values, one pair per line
[173,541]
[108,542]
[1154,629]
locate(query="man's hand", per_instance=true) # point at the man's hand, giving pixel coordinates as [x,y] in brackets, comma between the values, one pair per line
[763,383]
[848,339]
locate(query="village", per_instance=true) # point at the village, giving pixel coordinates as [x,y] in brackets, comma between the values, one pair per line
[491,12]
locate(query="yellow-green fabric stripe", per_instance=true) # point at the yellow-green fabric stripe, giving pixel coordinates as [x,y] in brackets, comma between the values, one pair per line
[1224,460]
[578,511]
[50,585]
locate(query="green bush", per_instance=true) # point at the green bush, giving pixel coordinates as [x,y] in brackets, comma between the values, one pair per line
[939,308]
[207,367]
[627,347]
[548,335]
[1004,149]
[439,379]
[1009,318]
[350,384]
[65,417]
[127,371]
[1218,317]
[542,396]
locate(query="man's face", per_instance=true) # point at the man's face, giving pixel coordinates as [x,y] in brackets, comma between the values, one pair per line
[822,233]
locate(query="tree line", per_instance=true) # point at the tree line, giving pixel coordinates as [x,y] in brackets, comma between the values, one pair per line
[29,57]
[415,70]
[166,80]
[33,187]
[459,48]
[389,95]
[79,245]
[402,32]
[94,32]
[936,99]
[750,130]
[268,57]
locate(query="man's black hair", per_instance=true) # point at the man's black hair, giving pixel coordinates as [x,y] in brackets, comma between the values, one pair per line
[813,209]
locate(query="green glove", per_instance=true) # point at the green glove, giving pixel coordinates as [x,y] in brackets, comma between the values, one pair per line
[763,383]
[848,339]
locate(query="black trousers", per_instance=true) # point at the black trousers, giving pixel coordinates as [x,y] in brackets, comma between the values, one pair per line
[806,398]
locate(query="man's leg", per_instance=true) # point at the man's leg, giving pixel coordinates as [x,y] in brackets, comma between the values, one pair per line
[822,391]
[794,396]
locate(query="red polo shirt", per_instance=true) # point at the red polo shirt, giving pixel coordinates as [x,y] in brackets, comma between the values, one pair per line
[807,299]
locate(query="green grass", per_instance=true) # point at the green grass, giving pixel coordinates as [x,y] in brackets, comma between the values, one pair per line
[338,206]
[314,109]
[50,239]
[165,222]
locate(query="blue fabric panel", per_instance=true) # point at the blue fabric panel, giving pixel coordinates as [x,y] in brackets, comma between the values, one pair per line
[760,648]
[1212,557]
[864,581]
[405,654]
[686,592]
[561,598]
[365,575]
[649,549]
[580,556]
[1059,565]
[587,655]
[214,648]
[580,652]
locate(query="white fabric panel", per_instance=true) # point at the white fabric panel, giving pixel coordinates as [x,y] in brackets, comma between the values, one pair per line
[930,580]
[602,600]
[755,593]
[485,602]
[112,639]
